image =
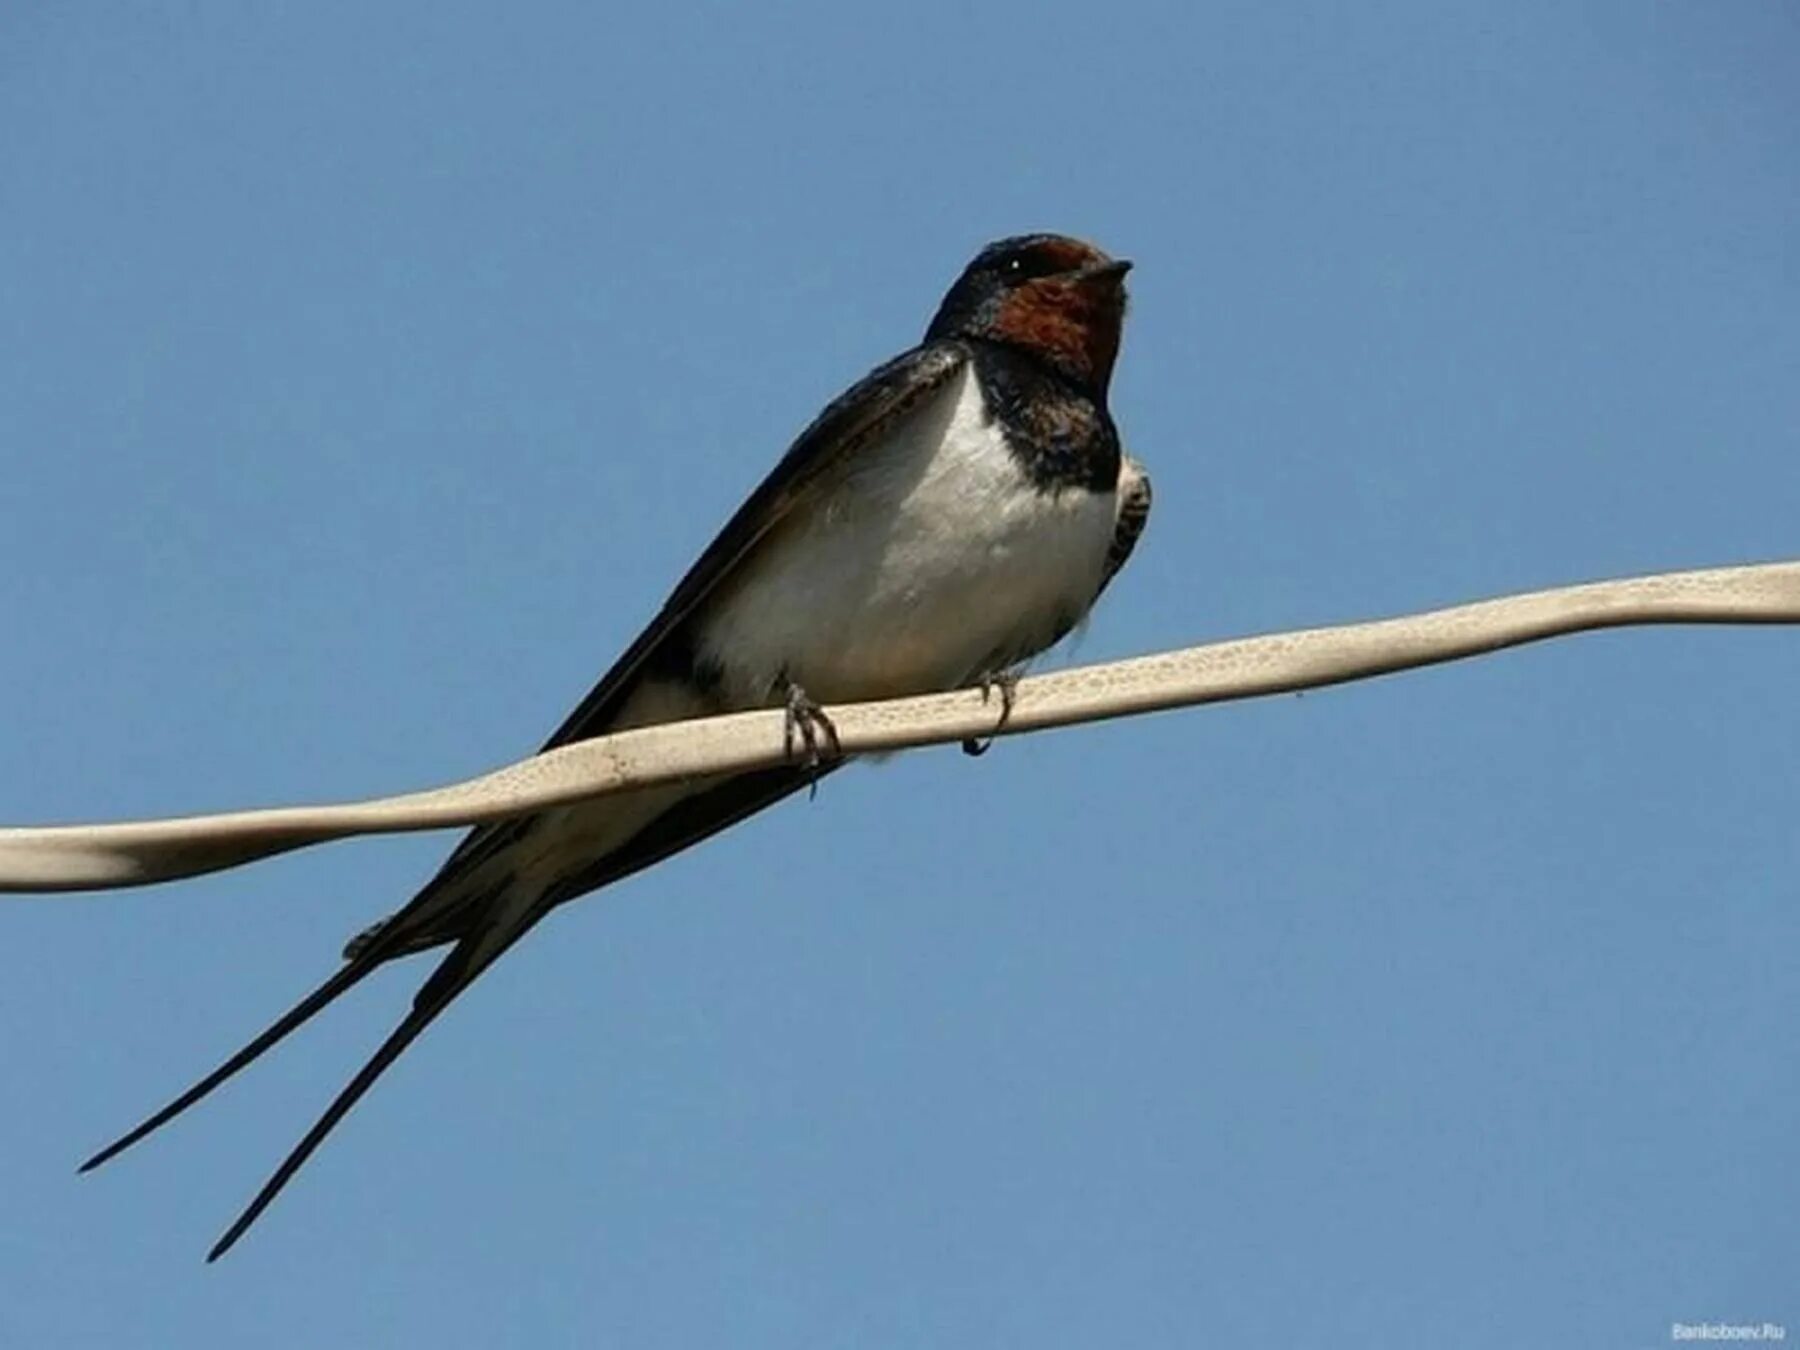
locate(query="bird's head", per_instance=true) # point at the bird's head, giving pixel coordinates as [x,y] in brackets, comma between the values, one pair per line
[1056,298]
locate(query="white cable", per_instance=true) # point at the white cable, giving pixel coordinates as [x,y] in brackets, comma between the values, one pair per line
[87,857]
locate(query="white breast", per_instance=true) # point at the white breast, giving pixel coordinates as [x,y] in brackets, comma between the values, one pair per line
[930,561]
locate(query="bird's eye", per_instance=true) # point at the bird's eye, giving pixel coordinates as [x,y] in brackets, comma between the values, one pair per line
[1018,265]
[1023,267]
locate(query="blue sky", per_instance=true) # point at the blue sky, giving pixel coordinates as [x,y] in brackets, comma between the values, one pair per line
[369,373]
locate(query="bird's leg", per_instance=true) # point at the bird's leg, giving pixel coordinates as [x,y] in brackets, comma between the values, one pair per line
[1006,680]
[805,723]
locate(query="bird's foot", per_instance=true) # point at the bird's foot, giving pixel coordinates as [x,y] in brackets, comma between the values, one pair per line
[1005,681]
[807,729]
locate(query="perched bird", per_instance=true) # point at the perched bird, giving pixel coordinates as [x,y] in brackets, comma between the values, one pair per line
[953,514]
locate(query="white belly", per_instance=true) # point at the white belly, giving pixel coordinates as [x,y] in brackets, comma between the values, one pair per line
[927,564]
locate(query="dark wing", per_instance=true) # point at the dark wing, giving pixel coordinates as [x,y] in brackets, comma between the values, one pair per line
[1133,513]
[482,935]
[847,424]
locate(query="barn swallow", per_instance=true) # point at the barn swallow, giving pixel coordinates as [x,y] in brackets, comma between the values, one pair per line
[949,517]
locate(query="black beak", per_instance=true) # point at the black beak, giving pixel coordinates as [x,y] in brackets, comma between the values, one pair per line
[1108,271]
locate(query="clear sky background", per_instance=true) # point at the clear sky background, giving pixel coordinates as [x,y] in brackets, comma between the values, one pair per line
[369,373]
